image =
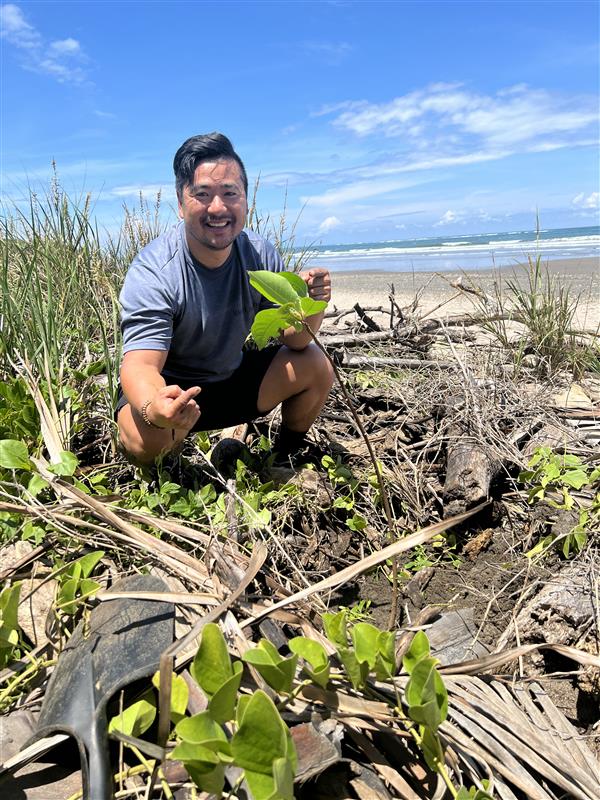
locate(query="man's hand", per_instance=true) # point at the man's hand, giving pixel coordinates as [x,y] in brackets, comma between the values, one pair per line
[318,282]
[171,407]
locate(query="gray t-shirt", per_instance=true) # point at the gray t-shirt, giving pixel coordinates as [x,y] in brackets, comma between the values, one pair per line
[200,316]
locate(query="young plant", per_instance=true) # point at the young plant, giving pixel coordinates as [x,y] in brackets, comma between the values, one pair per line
[75,585]
[294,309]
[10,632]
[369,649]
[427,700]
[261,743]
[549,473]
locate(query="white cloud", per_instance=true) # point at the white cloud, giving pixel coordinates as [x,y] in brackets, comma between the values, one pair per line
[329,224]
[15,28]
[148,191]
[65,47]
[513,116]
[590,201]
[54,58]
[361,190]
[447,218]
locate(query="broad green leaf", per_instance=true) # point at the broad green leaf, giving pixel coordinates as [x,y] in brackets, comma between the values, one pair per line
[277,671]
[385,663]
[240,710]
[89,561]
[66,465]
[283,776]
[365,636]
[192,752]
[540,546]
[9,621]
[357,523]
[419,648]
[179,695]
[212,667]
[267,325]
[551,473]
[201,729]
[136,718]
[297,283]
[335,628]
[473,794]
[14,454]
[273,286]
[316,655]
[261,785]
[594,476]
[221,706]
[36,485]
[261,737]
[575,478]
[211,781]
[66,596]
[355,670]
[426,694]
[310,306]
[88,587]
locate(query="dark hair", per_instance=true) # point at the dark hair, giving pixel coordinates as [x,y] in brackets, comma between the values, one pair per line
[205,147]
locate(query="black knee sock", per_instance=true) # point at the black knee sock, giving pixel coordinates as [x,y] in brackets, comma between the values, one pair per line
[289,441]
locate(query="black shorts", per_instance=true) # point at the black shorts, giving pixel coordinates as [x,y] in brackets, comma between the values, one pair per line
[232,401]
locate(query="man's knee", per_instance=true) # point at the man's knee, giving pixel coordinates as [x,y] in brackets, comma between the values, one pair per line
[321,371]
[140,446]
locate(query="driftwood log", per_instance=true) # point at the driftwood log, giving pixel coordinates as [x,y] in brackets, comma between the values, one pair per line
[470,471]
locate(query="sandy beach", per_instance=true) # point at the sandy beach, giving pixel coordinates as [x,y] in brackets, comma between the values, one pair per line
[371,288]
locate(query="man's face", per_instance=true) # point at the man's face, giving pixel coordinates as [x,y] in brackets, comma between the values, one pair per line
[213,208]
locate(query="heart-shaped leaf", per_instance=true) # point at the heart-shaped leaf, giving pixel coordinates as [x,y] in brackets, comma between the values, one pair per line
[14,454]
[273,286]
[212,667]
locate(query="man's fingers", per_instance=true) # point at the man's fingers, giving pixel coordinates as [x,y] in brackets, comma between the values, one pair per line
[181,402]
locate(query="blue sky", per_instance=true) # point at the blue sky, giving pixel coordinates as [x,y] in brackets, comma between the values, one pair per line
[380,121]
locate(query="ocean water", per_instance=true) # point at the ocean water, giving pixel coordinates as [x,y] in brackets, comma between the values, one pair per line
[481,251]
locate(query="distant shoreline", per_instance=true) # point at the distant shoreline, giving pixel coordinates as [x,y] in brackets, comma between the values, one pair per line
[371,287]
[583,264]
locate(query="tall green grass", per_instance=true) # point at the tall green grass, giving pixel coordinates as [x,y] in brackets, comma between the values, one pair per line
[547,312]
[60,277]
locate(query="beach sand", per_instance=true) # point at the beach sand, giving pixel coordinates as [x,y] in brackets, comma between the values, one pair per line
[371,288]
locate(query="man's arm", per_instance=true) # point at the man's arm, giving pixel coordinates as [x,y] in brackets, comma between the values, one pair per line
[319,288]
[141,381]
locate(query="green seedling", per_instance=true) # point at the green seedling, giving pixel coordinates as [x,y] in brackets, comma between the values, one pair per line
[427,701]
[549,473]
[215,673]
[314,654]
[10,636]
[14,455]
[371,649]
[75,585]
[294,309]
[294,306]
[137,718]
[277,671]
[263,747]
[204,750]
[473,793]
[179,695]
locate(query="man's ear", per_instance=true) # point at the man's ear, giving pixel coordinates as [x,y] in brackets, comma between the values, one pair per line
[179,206]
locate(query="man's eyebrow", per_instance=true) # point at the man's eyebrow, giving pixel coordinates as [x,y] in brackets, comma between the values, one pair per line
[229,185]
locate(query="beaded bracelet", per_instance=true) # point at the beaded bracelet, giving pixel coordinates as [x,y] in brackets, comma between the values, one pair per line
[146,418]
